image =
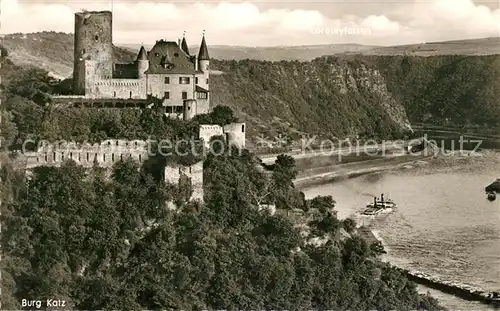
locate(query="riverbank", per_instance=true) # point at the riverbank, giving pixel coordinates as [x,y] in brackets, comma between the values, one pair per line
[324,175]
[444,225]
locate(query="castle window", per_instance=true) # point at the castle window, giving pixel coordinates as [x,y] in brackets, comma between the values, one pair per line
[37,160]
[169,109]
[62,156]
[45,157]
[178,109]
[117,143]
[88,157]
[114,94]
[96,38]
[176,54]
[130,94]
[54,156]
[167,95]
[104,158]
[83,51]
[243,128]
[184,80]
[121,157]
[196,80]
[113,157]
[167,80]
[184,95]
[207,81]
[71,155]
[201,95]
[140,158]
[79,157]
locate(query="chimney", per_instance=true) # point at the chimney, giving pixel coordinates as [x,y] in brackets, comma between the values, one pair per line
[196,63]
[179,42]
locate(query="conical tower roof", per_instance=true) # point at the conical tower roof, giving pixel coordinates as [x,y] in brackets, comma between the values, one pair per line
[203,55]
[184,45]
[142,54]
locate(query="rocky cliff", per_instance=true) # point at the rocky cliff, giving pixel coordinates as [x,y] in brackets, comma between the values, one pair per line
[330,97]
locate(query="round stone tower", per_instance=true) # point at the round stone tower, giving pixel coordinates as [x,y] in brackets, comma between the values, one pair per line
[93,43]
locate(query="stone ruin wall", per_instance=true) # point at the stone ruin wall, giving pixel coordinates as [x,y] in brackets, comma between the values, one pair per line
[107,154]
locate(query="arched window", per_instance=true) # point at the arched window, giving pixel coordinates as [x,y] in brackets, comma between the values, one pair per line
[243,128]
[130,94]
[140,158]
[113,157]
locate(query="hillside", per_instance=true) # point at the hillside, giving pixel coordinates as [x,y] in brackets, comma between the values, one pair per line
[54,51]
[51,51]
[343,95]
[484,46]
[276,53]
[326,97]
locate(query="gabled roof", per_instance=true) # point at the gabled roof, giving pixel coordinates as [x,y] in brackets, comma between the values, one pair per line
[166,57]
[142,54]
[203,54]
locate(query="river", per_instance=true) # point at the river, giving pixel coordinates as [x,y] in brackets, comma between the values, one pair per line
[444,225]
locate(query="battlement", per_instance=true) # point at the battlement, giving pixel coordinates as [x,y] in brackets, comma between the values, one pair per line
[118,82]
[84,13]
[234,133]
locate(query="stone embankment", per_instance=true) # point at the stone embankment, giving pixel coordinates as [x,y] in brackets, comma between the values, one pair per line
[463,291]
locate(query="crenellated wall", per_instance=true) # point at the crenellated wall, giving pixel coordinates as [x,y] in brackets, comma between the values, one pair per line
[106,154]
[234,133]
[209,130]
[119,88]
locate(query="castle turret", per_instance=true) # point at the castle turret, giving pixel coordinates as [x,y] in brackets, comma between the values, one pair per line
[93,48]
[203,58]
[142,62]
[184,45]
[203,62]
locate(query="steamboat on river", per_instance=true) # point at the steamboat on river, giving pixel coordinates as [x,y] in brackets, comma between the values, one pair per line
[379,206]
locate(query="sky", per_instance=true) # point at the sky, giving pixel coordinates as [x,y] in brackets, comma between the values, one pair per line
[267,22]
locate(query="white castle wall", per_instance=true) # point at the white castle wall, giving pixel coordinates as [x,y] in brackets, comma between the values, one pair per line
[234,133]
[208,130]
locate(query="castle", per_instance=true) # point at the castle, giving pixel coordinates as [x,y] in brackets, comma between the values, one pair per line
[168,75]
[168,72]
